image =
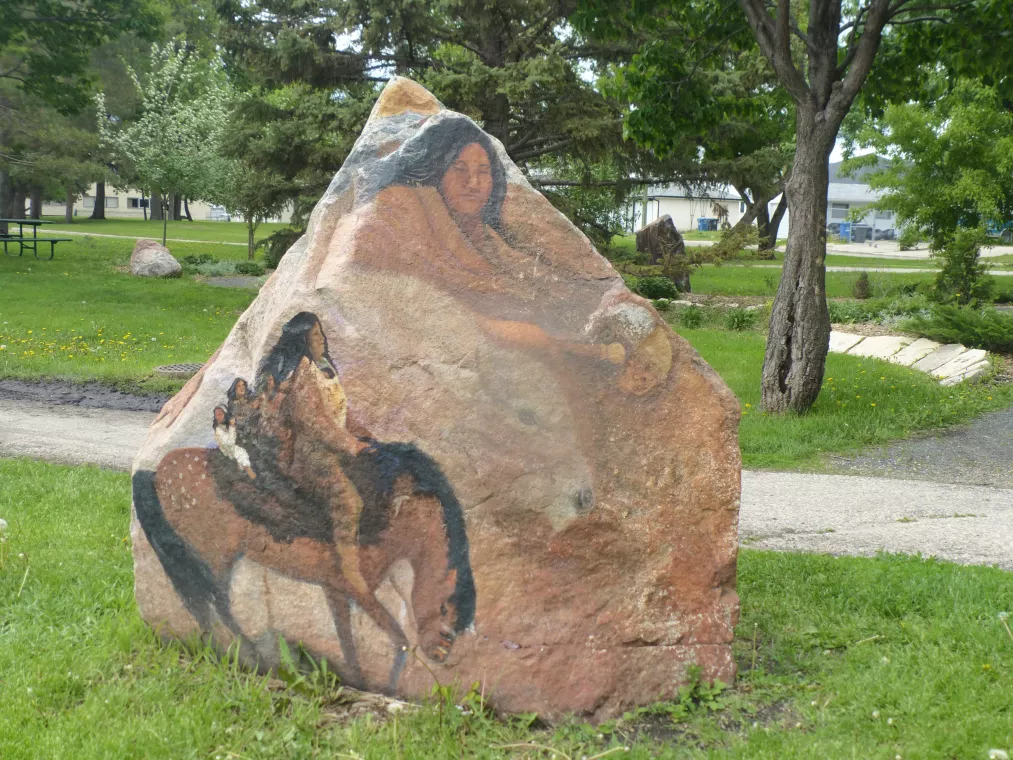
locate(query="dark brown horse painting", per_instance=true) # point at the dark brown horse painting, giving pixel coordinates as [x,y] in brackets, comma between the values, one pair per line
[292,488]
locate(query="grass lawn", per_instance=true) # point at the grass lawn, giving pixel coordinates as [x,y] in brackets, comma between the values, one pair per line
[734,280]
[870,658]
[863,401]
[233,232]
[83,317]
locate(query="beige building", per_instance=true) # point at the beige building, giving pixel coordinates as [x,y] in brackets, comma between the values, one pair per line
[128,204]
[687,207]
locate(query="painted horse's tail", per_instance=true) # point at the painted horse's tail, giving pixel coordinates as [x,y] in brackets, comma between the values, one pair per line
[190,576]
[393,459]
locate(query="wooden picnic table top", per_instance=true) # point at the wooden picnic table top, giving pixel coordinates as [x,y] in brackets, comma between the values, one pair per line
[28,221]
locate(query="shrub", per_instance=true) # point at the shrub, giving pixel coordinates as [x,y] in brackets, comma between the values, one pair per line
[861,289]
[909,237]
[276,244]
[252,268]
[197,259]
[988,329]
[963,278]
[214,269]
[691,317]
[740,319]
[657,287]
[878,310]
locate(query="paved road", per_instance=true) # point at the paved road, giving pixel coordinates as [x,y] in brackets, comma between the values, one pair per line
[839,514]
[885,270]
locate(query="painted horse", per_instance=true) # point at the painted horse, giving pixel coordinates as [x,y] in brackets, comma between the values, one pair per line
[190,510]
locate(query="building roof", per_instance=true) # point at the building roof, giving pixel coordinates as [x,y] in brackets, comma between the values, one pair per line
[717,193]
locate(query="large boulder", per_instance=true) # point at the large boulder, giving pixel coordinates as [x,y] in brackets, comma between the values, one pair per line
[152,259]
[663,243]
[446,440]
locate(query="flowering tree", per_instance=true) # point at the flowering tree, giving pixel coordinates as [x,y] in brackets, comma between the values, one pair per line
[173,146]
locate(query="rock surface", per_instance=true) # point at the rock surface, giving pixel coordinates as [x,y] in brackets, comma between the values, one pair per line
[664,244]
[152,259]
[951,363]
[446,439]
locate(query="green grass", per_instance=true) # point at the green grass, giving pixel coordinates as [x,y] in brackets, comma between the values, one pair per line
[233,232]
[733,280]
[863,402]
[870,658]
[83,317]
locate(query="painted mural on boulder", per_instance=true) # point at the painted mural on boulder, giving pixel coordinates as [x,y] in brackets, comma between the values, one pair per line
[447,440]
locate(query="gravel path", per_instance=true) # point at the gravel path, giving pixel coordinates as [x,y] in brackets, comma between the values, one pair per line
[837,514]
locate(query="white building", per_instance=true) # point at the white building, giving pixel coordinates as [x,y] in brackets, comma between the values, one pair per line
[686,207]
[128,204]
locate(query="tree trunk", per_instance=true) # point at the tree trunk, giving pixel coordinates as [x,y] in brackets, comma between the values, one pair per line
[6,198]
[68,212]
[165,216]
[19,204]
[99,212]
[251,229]
[144,209]
[799,333]
[177,208]
[186,210]
[765,247]
[156,207]
[35,203]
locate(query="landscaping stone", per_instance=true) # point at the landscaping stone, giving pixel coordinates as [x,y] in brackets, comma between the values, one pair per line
[663,243]
[152,259]
[961,363]
[840,342]
[446,441]
[939,357]
[914,352]
[879,346]
[973,372]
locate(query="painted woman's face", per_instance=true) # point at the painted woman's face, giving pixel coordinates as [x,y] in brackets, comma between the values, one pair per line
[468,182]
[241,389]
[315,342]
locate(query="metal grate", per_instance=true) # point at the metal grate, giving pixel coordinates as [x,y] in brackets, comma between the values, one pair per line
[178,370]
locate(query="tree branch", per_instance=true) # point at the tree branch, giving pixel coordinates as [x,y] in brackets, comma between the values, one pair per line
[773,48]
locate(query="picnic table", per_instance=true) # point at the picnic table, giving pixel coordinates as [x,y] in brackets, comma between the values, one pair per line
[32,243]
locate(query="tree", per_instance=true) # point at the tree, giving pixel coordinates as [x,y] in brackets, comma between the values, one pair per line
[173,144]
[516,66]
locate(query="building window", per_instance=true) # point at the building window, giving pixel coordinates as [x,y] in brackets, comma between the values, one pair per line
[89,201]
[133,203]
[112,202]
[883,214]
[839,210]
[742,207]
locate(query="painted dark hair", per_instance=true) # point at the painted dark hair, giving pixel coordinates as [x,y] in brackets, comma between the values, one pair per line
[426,157]
[290,349]
[235,383]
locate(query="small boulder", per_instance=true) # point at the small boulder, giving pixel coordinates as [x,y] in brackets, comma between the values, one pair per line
[151,259]
[662,242]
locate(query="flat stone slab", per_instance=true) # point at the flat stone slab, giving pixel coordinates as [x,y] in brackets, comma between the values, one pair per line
[914,352]
[939,357]
[879,346]
[974,372]
[961,364]
[840,342]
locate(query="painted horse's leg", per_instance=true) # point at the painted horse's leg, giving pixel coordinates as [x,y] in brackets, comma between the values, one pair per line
[389,625]
[341,613]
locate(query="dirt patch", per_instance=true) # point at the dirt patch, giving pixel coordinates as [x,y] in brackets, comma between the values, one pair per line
[870,329]
[93,395]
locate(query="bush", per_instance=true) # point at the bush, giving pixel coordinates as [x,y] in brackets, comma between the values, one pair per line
[657,287]
[963,279]
[878,310]
[691,317]
[195,260]
[276,244]
[861,289]
[251,268]
[740,319]
[215,269]
[909,237]
[988,329]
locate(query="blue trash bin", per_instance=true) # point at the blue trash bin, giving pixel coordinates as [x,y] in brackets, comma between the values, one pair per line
[846,232]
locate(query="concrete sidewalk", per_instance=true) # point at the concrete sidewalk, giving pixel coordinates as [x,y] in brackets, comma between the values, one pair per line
[837,514]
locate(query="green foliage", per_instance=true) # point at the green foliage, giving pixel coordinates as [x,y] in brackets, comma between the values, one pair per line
[964,277]
[691,317]
[862,289]
[276,245]
[954,160]
[694,698]
[986,328]
[46,45]
[910,236]
[250,268]
[878,310]
[656,287]
[740,319]
[734,242]
[196,259]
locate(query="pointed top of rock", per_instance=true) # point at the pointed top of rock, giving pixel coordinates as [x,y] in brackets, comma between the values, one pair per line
[402,95]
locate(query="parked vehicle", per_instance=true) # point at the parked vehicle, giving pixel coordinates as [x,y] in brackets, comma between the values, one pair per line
[890,234]
[1003,231]
[219,214]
